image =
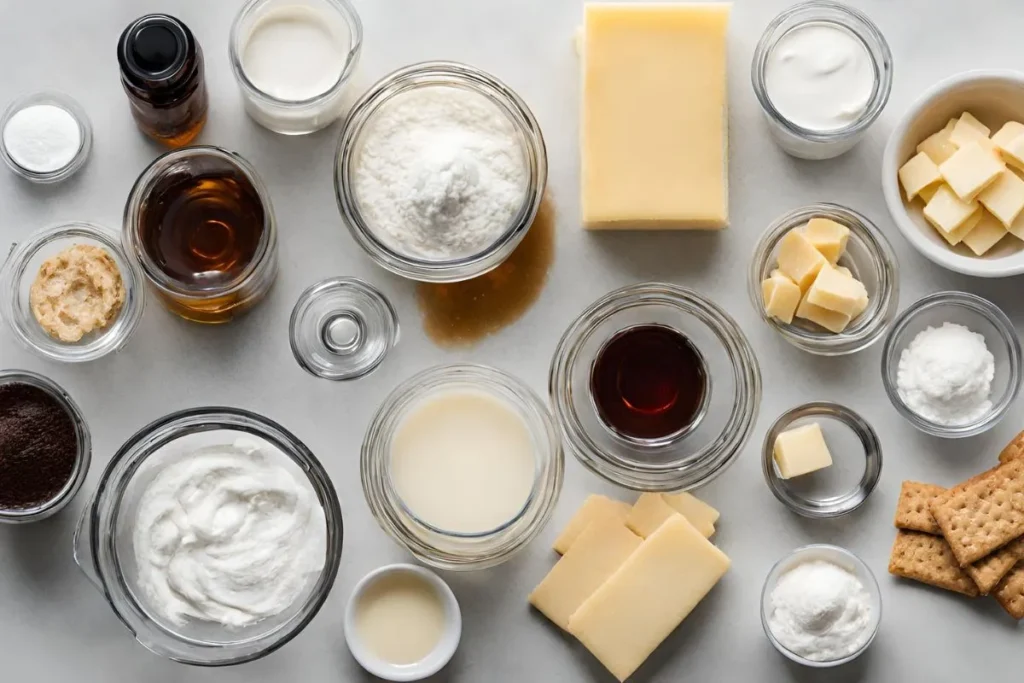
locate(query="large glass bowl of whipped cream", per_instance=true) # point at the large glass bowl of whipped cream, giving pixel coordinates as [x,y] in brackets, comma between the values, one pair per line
[214,534]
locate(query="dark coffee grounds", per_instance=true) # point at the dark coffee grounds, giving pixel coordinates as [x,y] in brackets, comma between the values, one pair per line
[38,447]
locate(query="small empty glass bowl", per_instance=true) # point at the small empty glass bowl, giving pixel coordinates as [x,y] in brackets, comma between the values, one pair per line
[840,488]
[838,556]
[870,258]
[976,314]
[21,269]
[683,460]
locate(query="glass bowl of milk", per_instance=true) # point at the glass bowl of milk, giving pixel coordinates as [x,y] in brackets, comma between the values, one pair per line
[462,465]
[822,73]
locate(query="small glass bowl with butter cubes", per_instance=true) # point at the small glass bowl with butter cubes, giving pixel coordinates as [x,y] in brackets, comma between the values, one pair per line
[826,279]
[821,460]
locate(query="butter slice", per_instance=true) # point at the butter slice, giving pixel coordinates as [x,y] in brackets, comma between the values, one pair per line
[968,129]
[837,292]
[801,451]
[595,507]
[957,236]
[828,237]
[830,320]
[649,512]
[698,513]
[648,596]
[601,549]
[798,259]
[947,212]
[971,170]
[1004,198]
[654,117]
[985,235]
[1013,152]
[781,296]
[1010,131]
[919,173]
[938,146]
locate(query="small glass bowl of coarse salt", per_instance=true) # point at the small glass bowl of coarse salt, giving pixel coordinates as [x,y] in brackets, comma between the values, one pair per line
[951,364]
[45,136]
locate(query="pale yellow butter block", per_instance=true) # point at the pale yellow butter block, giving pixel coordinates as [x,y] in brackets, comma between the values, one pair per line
[653,591]
[971,170]
[830,320]
[1004,198]
[947,212]
[1013,152]
[954,238]
[594,508]
[801,450]
[828,237]
[601,549]
[1006,134]
[654,116]
[649,512]
[919,173]
[837,292]
[985,235]
[798,259]
[781,297]
[968,129]
[938,146]
[701,515]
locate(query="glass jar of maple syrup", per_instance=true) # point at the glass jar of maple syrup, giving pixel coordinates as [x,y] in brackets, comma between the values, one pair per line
[200,225]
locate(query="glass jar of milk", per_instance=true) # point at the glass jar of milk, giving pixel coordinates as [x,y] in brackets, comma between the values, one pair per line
[292,59]
[822,73]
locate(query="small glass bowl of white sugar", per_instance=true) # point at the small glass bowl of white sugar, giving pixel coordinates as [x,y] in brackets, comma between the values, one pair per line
[45,136]
[951,364]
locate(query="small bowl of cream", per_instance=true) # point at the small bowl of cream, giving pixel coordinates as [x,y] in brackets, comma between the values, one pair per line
[402,623]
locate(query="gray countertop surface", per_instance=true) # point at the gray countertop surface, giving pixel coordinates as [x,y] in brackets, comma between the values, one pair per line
[56,627]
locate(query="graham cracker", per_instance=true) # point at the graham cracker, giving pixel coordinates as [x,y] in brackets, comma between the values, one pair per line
[983,514]
[989,571]
[928,559]
[1010,592]
[913,511]
[1014,450]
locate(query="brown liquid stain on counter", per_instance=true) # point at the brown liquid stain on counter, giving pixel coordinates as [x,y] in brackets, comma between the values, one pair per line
[462,313]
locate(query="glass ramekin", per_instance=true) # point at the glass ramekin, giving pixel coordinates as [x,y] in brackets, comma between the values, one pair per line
[426,75]
[870,258]
[836,555]
[978,315]
[681,461]
[225,301]
[81,469]
[104,547]
[454,551]
[295,117]
[803,142]
[840,488]
[68,104]
[21,269]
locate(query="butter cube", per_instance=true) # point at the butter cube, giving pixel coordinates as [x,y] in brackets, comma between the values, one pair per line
[954,238]
[1004,198]
[971,170]
[799,259]
[1013,152]
[600,550]
[968,129]
[781,297]
[801,450]
[653,591]
[828,237]
[938,146]
[1006,134]
[985,235]
[836,292]
[919,173]
[830,320]
[947,212]
[698,513]
[594,508]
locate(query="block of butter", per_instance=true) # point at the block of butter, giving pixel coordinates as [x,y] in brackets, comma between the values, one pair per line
[594,508]
[653,147]
[697,512]
[646,598]
[838,292]
[801,450]
[798,259]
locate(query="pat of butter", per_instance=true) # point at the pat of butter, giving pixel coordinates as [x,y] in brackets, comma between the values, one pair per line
[837,292]
[938,146]
[649,512]
[947,212]
[956,237]
[1004,198]
[594,508]
[781,297]
[654,118]
[1013,152]
[830,320]
[798,259]
[919,173]
[968,129]
[601,549]
[646,598]
[971,170]
[985,235]
[828,237]
[801,451]
[701,515]
[1006,134]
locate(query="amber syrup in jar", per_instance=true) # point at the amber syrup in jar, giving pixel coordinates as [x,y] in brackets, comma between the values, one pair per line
[649,382]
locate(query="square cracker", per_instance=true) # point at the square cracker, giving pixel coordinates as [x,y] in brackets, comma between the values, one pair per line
[1014,449]
[913,511]
[989,571]
[1010,592]
[984,514]
[928,559]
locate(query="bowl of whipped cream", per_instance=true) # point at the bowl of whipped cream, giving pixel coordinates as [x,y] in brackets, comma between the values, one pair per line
[215,535]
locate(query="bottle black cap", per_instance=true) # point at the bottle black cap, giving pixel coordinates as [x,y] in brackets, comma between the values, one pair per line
[153,50]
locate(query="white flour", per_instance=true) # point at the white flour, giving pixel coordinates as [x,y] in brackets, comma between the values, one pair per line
[945,375]
[820,611]
[441,173]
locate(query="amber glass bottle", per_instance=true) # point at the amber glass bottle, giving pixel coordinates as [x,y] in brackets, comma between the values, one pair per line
[162,73]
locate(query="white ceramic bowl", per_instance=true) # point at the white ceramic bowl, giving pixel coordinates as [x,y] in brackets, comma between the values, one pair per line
[994,96]
[441,653]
